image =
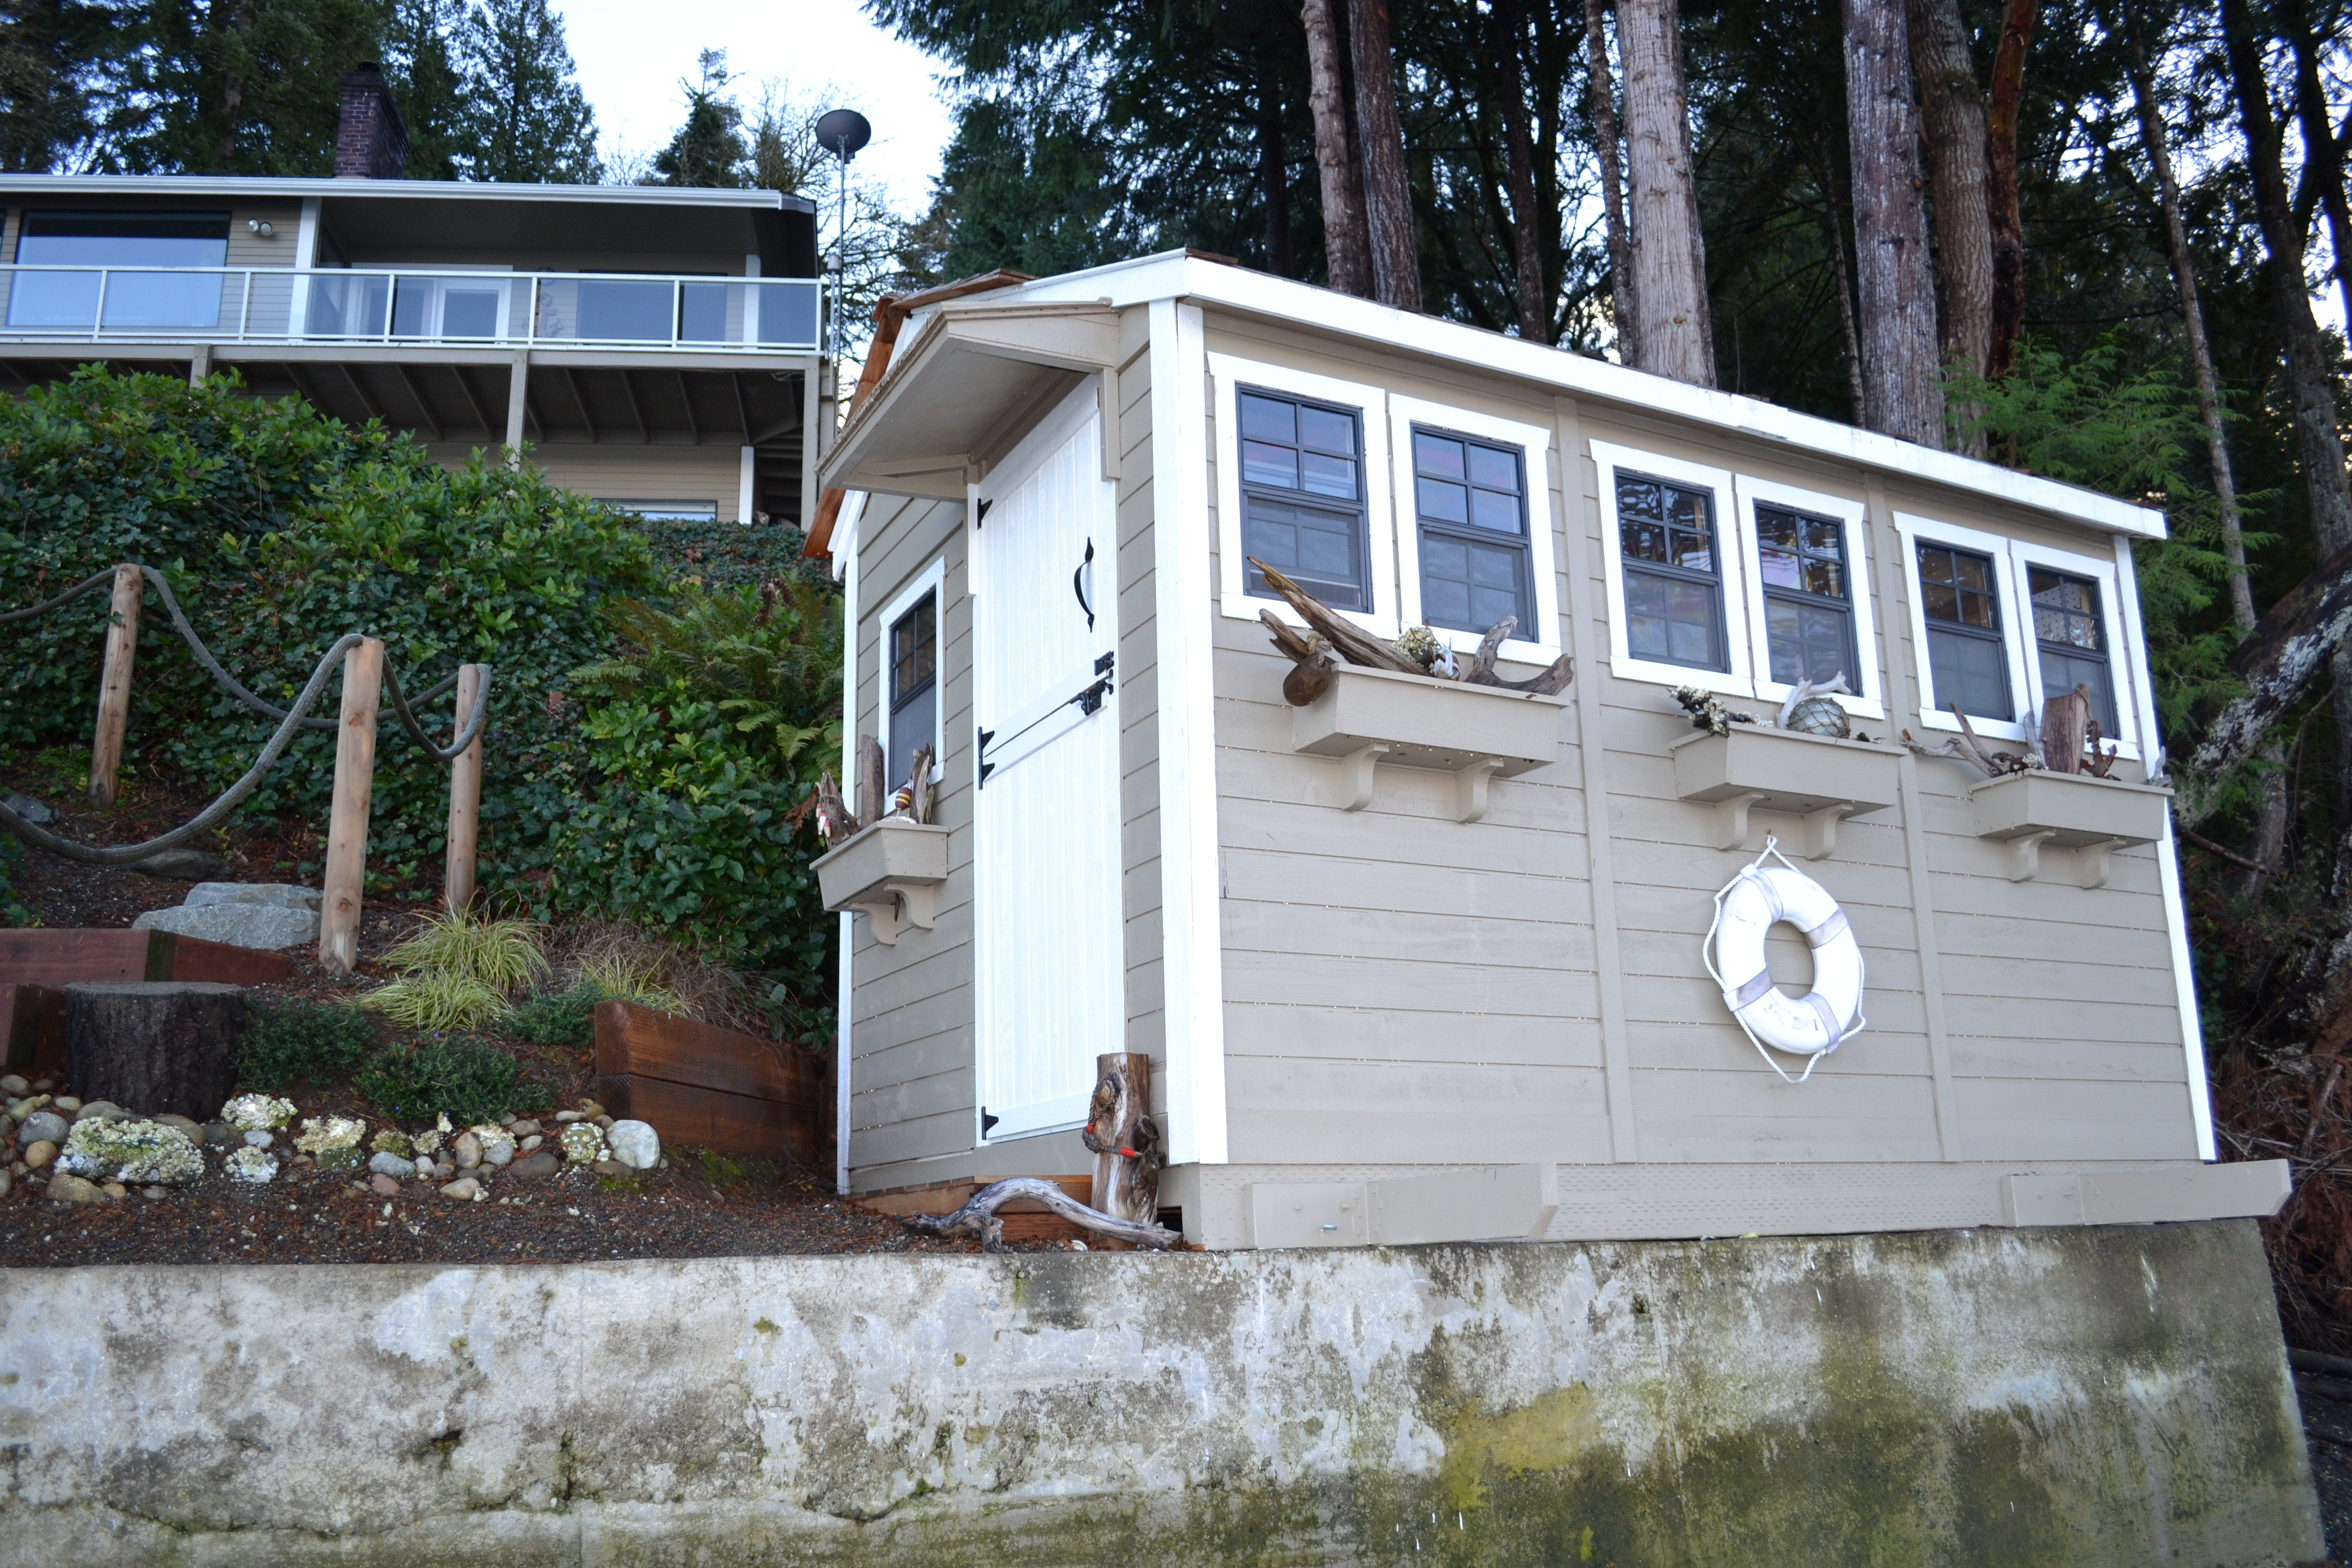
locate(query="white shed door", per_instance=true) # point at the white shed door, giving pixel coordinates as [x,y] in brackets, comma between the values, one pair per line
[1051,995]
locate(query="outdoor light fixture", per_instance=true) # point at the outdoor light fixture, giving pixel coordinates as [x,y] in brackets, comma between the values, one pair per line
[260,226]
[842,133]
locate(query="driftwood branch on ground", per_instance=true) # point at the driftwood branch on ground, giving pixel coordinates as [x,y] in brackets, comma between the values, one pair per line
[978,1216]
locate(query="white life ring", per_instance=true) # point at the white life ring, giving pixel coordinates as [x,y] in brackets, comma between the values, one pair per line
[1751,904]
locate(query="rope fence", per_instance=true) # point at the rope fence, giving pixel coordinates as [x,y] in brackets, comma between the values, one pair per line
[368,678]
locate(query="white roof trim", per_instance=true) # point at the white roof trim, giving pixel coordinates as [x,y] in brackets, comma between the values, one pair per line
[443,190]
[1176,275]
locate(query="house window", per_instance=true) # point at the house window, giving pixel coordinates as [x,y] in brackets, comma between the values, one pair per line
[914,687]
[1673,574]
[1302,490]
[1960,599]
[88,240]
[1807,596]
[2073,643]
[1470,497]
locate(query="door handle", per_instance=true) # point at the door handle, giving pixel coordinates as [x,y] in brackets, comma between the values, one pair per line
[1078,585]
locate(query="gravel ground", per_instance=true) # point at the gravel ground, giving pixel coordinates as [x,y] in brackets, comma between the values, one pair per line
[2327,1428]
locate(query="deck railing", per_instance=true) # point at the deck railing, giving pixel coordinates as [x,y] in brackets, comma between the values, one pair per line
[438,306]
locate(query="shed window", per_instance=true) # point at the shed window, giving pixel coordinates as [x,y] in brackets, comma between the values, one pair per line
[1470,497]
[914,687]
[2074,643]
[88,240]
[1807,596]
[1959,598]
[1302,486]
[1673,573]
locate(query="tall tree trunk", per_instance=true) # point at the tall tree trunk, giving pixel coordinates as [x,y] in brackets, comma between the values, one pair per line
[1533,300]
[1602,93]
[1673,334]
[2322,155]
[1380,141]
[1902,393]
[1834,221]
[1347,246]
[1273,173]
[2000,169]
[1951,111]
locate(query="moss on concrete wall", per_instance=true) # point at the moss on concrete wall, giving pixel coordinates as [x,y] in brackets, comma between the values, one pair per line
[2015,1398]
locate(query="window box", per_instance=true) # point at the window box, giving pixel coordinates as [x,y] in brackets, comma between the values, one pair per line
[1475,732]
[2092,816]
[892,871]
[1812,777]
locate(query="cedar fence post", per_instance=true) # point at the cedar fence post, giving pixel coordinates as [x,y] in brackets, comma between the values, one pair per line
[339,921]
[465,798]
[114,687]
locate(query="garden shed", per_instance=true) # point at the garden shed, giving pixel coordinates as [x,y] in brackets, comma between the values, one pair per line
[1421,959]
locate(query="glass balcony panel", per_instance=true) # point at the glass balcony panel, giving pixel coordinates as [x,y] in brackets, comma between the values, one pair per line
[787,314]
[618,310]
[348,307]
[53,300]
[164,299]
[702,313]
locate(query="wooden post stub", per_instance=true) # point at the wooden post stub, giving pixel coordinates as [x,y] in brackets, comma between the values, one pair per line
[2065,725]
[347,825]
[1126,1159]
[873,788]
[465,798]
[160,1047]
[114,687]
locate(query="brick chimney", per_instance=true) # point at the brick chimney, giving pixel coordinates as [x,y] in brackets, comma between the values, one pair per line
[371,144]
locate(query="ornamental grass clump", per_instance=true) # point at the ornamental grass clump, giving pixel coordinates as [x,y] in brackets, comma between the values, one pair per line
[456,970]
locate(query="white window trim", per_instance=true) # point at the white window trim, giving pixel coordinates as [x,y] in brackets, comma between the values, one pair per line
[1233,600]
[1869,700]
[931,580]
[1533,443]
[1607,457]
[2122,669]
[1934,530]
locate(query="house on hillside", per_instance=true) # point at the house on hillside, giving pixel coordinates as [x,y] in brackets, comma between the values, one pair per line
[1416,959]
[658,348]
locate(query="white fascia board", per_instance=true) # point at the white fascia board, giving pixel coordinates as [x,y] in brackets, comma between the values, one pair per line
[1175,275]
[436,190]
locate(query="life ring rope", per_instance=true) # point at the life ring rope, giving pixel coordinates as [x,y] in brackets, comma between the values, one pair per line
[1830,932]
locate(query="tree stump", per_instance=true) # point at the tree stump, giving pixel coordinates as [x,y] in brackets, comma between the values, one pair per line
[152,1047]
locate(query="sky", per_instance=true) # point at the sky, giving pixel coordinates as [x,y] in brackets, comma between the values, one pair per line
[632,58]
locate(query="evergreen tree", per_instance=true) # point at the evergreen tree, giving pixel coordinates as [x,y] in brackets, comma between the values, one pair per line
[237,87]
[709,148]
[436,100]
[51,55]
[529,122]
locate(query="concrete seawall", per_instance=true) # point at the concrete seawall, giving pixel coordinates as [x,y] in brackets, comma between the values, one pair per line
[1998,1397]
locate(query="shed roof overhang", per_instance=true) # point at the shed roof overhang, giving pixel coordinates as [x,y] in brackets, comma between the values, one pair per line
[979,374]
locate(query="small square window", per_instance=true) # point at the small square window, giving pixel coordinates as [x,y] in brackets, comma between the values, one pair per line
[1674,588]
[914,688]
[1302,495]
[1470,501]
[1808,610]
[1960,602]
[2071,641]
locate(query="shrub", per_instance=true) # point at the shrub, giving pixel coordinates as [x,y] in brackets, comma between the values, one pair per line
[466,1080]
[286,1041]
[563,1018]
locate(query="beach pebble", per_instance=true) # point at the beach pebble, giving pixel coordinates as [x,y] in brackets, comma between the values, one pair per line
[67,1189]
[464,1188]
[536,1167]
[391,1167]
[39,1153]
[382,1185]
[635,1144]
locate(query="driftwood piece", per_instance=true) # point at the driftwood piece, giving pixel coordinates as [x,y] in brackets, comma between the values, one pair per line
[2066,721]
[2099,764]
[978,1216]
[921,789]
[1355,645]
[1970,749]
[1482,663]
[1553,680]
[872,789]
[1123,1139]
[1310,674]
[835,823]
[154,1047]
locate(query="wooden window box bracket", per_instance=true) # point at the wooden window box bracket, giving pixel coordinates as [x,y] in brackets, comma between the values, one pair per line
[1478,733]
[1818,780]
[2029,812]
[892,871]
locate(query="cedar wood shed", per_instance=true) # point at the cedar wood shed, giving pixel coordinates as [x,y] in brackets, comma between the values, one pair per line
[1422,961]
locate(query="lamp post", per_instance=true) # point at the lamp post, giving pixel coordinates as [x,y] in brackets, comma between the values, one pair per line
[842,133]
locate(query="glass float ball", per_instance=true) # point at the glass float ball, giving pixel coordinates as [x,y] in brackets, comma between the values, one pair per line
[1819,716]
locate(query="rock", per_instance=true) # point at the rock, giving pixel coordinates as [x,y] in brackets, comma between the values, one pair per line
[261,926]
[391,1141]
[121,1150]
[426,1142]
[610,1168]
[564,1117]
[193,1132]
[67,1189]
[468,1151]
[115,1190]
[249,1112]
[536,1167]
[332,1140]
[98,1108]
[590,1110]
[14,1087]
[40,1153]
[265,894]
[7,1182]
[383,1186]
[444,1169]
[463,1189]
[219,1134]
[605,1123]
[39,813]
[184,865]
[257,1138]
[391,1166]
[422,1167]
[41,1127]
[253,1165]
[66,1103]
[583,1142]
[533,1141]
[498,1155]
[522,1128]
[635,1144]
[154,1192]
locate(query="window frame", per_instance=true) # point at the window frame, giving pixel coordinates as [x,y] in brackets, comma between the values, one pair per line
[932,580]
[1914,530]
[2122,667]
[1534,444]
[1227,374]
[1869,698]
[1730,530]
